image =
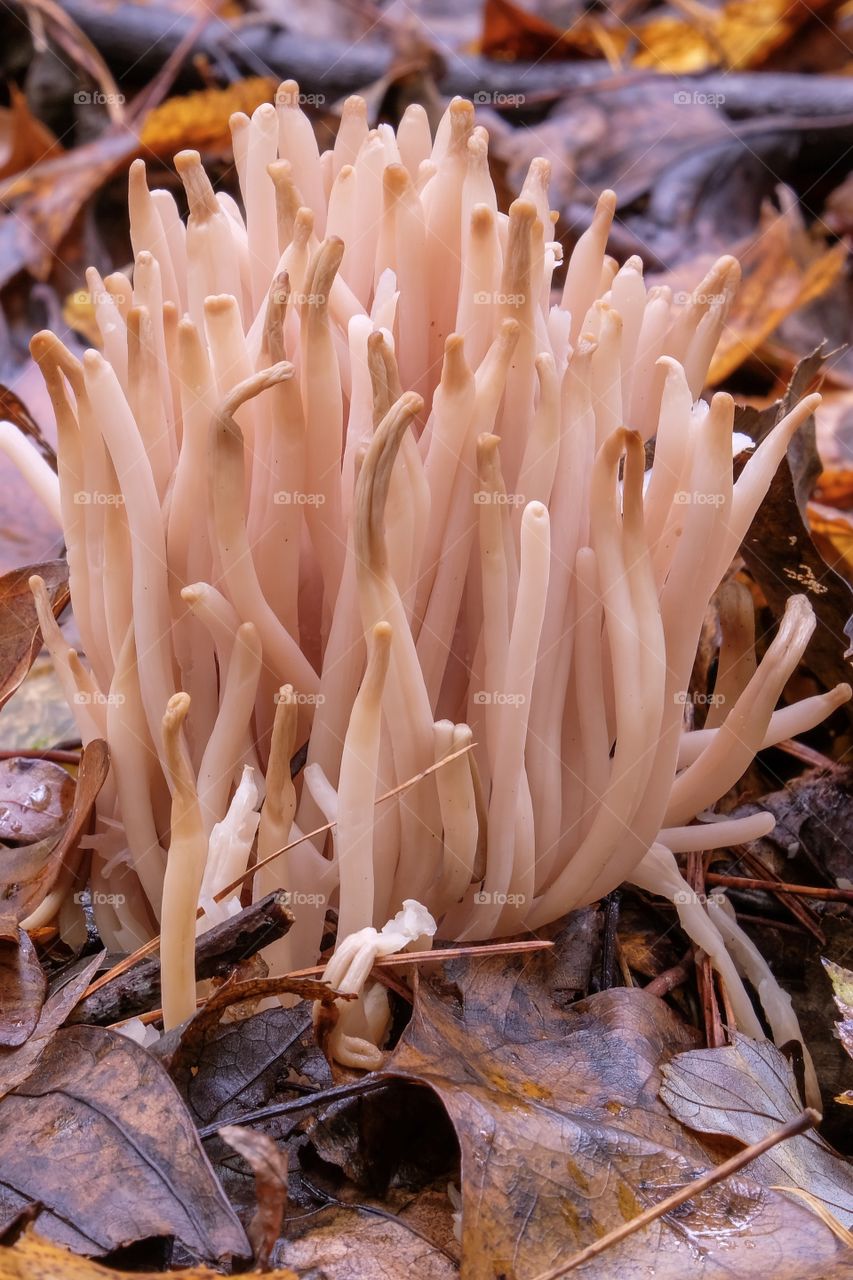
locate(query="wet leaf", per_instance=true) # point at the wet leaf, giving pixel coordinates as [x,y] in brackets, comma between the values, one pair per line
[28,873]
[563,1137]
[16,1064]
[269,1165]
[20,638]
[745,1091]
[35,798]
[96,1106]
[33,1258]
[22,989]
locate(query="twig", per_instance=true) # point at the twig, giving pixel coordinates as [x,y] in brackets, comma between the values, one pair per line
[368,1084]
[780,887]
[671,978]
[804,914]
[54,757]
[800,1124]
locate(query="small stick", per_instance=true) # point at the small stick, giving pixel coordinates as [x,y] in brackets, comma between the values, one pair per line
[669,979]
[55,756]
[807,755]
[800,1124]
[799,910]
[780,886]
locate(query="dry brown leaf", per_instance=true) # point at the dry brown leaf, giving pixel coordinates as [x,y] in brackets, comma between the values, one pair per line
[23,986]
[20,638]
[842,994]
[24,140]
[200,119]
[563,1137]
[269,1165]
[98,1138]
[33,1258]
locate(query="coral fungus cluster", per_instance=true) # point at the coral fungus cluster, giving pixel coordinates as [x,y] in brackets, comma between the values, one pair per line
[349,470]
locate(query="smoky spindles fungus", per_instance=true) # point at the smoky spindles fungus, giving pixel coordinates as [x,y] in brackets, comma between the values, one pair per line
[347,474]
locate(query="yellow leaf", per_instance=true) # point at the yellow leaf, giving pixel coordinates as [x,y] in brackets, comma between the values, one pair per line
[200,120]
[740,35]
[33,1258]
[777,281]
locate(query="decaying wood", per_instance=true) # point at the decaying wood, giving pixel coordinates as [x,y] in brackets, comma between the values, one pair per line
[216,953]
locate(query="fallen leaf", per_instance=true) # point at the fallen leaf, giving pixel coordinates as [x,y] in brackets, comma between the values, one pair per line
[24,140]
[783,269]
[363,1242]
[35,798]
[745,1091]
[269,1165]
[200,119]
[740,35]
[28,873]
[20,638]
[16,1064]
[97,1135]
[563,1137]
[23,986]
[13,409]
[842,994]
[33,1258]
[778,548]
[226,1069]
[42,203]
